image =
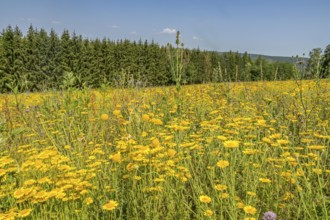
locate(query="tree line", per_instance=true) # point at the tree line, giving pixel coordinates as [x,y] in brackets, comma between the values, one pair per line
[39,61]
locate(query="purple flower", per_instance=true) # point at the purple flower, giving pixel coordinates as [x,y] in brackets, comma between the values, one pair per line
[269,216]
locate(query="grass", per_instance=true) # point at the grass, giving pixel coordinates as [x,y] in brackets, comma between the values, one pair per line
[215,151]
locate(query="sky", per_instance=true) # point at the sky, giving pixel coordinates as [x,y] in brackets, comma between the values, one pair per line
[268,27]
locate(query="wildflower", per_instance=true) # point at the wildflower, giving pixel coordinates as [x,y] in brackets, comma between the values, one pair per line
[288,196]
[88,201]
[222,138]
[29,182]
[265,180]
[266,140]
[155,142]
[306,140]
[19,193]
[240,205]
[83,192]
[275,136]
[250,210]
[250,151]
[222,163]
[317,171]
[144,134]
[205,199]
[111,205]
[131,166]
[316,147]
[137,178]
[283,141]
[116,157]
[159,180]
[251,193]
[220,187]
[269,216]
[208,213]
[145,117]
[116,113]
[24,213]
[67,147]
[105,117]
[224,196]
[157,121]
[231,144]
[171,152]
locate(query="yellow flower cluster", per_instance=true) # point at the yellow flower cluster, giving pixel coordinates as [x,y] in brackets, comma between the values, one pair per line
[215,151]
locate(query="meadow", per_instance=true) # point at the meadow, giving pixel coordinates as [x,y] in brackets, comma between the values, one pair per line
[213,151]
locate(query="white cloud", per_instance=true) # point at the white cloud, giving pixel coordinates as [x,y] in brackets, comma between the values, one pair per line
[31,19]
[168,31]
[114,26]
[195,38]
[55,22]
[134,32]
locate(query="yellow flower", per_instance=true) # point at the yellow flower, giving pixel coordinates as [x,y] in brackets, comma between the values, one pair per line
[2,172]
[111,205]
[116,112]
[19,193]
[67,147]
[24,213]
[316,147]
[29,182]
[250,218]
[265,180]
[266,140]
[220,187]
[221,137]
[251,193]
[132,166]
[224,195]
[157,121]
[208,213]
[88,200]
[205,199]
[250,210]
[222,163]
[137,178]
[250,151]
[240,205]
[155,142]
[231,144]
[145,117]
[144,134]
[105,117]
[116,157]
[283,141]
[317,171]
[171,152]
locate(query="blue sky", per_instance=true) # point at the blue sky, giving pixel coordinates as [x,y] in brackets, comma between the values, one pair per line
[270,27]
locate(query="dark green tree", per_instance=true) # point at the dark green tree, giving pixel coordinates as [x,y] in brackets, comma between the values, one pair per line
[325,64]
[314,63]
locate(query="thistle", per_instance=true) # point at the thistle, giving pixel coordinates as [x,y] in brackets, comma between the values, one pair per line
[269,216]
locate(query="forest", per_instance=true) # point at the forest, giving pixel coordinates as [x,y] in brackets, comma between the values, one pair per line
[40,61]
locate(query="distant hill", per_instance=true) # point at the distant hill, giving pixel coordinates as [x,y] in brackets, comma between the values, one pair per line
[276,58]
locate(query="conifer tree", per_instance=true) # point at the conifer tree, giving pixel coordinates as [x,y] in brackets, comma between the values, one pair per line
[325,65]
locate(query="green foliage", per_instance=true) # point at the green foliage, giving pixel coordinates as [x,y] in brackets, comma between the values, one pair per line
[314,62]
[40,61]
[325,65]
[69,80]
